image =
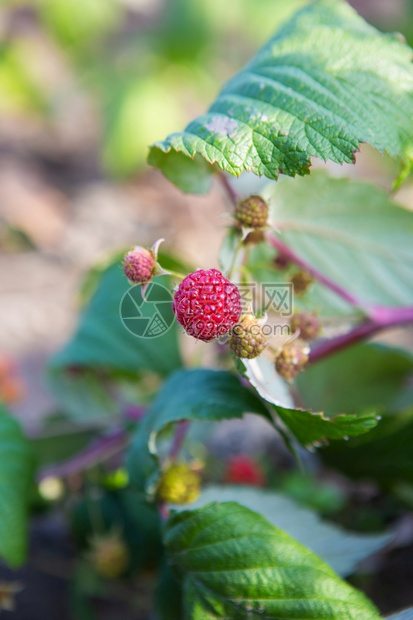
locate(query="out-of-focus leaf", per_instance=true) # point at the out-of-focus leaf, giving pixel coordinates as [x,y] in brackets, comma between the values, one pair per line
[384,455]
[168,601]
[351,232]
[79,23]
[123,511]
[15,476]
[204,395]
[134,117]
[80,373]
[365,376]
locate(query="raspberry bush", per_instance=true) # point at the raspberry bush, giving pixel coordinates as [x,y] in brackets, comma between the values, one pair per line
[311,267]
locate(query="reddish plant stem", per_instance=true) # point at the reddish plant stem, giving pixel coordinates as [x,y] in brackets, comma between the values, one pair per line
[178,438]
[292,256]
[99,450]
[385,318]
[231,193]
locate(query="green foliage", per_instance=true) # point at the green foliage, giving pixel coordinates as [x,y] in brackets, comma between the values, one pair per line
[15,478]
[204,395]
[351,232]
[102,346]
[80,23]
[315,89]
[308,427]
[122,511]
[342,550]
[378,376]
[168,595]
[315,428]
[376,373]
[384,455]
[234,562]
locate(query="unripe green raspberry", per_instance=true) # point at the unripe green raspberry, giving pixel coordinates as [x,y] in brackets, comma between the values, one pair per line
[306,324]
[109,555]
[247,339]
[139,265]
[292,358]
[252,212]
[301,281]
[179,484]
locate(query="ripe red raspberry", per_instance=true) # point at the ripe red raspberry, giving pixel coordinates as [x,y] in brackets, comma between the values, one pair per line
[139,265]
[207,304]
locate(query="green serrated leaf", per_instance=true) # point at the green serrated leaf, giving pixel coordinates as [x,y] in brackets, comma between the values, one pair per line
[315,428]
[15,477]
[341,549]
[315,90]
[204,395]
[235,563]
[310,428]
[351,232]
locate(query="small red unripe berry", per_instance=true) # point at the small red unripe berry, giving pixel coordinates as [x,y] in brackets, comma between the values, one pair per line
[207,304]
[139,265]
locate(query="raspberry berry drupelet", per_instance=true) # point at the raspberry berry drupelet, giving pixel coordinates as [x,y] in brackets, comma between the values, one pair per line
[207,304]
[139,265]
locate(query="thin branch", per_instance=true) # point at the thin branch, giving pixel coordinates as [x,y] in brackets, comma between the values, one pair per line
[292,256]
[99,450]
[385,318]
[231,193]
[178,438]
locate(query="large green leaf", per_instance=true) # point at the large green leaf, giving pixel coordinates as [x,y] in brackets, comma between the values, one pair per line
[204,395]
[351,232]
[102,340]
[340,549]
[235,563]
[316,89]
[366,376]
[15,477]
[102,345]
